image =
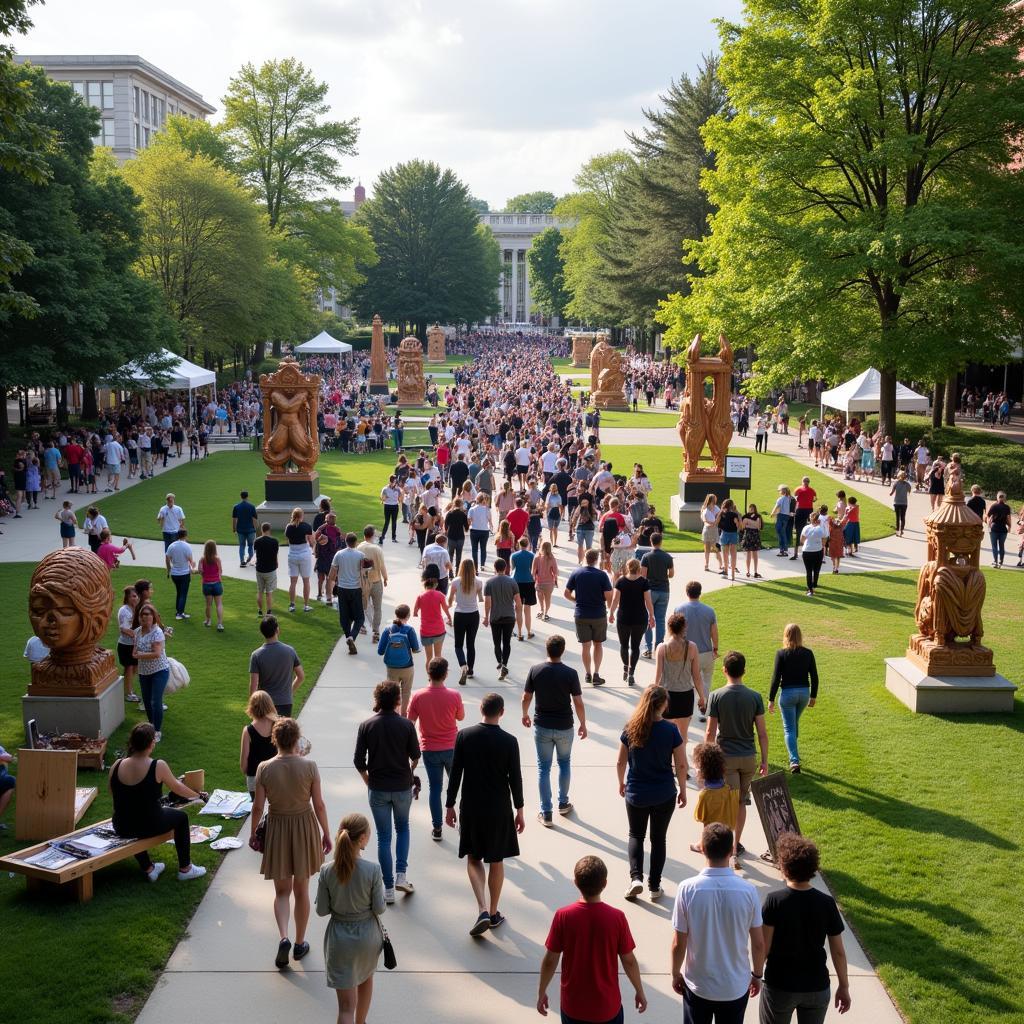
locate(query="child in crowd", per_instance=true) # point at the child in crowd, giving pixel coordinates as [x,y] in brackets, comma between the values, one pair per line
[68,524]
[257,746]
[851,531]
[717,802]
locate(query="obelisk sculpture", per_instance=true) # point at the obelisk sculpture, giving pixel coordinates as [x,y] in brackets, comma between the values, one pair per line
[378,359]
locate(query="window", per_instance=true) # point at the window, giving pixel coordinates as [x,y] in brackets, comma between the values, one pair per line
[145,138]
[135,91]
[106,135]
[94,93]
[153,119]
[79,88]
[138,137]
[163,113]
[145,105]
[108,95]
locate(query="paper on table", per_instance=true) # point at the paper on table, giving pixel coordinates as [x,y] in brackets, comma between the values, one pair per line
[223,801]
[50,858]
[95,843]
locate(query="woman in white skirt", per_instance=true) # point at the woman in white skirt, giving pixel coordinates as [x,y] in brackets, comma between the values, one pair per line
[709,513]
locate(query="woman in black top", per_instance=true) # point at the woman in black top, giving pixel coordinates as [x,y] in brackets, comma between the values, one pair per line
[135,783]
[797,674]
[632,601]
[456,523]
[728,536]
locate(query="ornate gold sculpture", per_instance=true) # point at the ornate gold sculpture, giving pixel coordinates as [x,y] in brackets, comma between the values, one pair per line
[290,437]
[435,344]
[951,592]
[702,420]
[70,598]
[581,346]
[607,381]
[411,385]
[378,358]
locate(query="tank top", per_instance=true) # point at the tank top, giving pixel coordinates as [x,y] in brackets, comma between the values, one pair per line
[467,603]
[210,571]
[678,676]
[261,748]
[135,806]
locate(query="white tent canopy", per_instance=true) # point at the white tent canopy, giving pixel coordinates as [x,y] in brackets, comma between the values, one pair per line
[180,376]
[323,345]
[861,395]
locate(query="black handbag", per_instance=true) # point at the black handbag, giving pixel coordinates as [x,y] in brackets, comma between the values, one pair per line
[390,960]
[259,836]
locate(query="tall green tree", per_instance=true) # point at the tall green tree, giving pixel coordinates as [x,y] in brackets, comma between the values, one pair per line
[865,212]
[436,261]
[547,273]
[480,205]
[532,202]
[197,138]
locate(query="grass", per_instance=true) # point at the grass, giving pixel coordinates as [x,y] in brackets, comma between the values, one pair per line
[109,952]
[642,420]
[664,463]
[916,815]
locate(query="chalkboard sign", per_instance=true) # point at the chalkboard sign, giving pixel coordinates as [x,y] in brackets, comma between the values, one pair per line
[771,797]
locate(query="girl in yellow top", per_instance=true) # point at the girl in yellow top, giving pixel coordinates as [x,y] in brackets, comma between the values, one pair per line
[717,802]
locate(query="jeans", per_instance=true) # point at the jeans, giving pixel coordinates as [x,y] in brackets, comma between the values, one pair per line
[558,743]
[169,539]
[659,598]
[501,633]
[777,1006]
[153,686]
[792,701]
[455,550]
[812,567]
[466,625]
[181,592]
[350,611]
[997,535]
[703,1011]
[383,806]
[659,815]
[783,528]
[245,540]
[390,516]
[437,762]
[478,545]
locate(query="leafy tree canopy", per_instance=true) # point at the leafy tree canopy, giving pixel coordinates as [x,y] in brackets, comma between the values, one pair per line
[532,202]
[547,273]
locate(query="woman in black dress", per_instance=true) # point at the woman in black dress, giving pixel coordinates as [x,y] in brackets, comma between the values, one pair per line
[750,538]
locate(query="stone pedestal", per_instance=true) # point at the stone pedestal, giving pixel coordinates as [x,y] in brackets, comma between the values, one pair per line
[97,716]
[609,400]
[279,513]
[581,346]
[947,695]
[298,488]
[686,505]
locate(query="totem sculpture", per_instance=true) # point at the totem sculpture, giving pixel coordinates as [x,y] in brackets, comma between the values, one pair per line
[435,344]
[607,380]
[705,421]
[581,346]
[291,443]
[378,359]
[411,385]
[951,592]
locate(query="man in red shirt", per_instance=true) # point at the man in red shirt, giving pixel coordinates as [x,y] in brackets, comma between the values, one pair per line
[805,495]
[73,456]
[589,936]
[517,519]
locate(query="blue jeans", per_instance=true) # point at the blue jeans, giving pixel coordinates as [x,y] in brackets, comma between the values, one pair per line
[153,687]
[783,527]
[792,701]
[437,762]
[549,743]
[659,598]
[997,534]
[382,806]
[245,540]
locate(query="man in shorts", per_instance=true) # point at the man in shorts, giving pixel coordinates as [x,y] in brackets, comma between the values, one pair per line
[266,549]
[485,765]
[734,713]
[591,591]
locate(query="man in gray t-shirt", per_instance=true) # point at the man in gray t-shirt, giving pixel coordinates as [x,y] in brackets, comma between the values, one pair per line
[702,629]
[275,668]
[502,604]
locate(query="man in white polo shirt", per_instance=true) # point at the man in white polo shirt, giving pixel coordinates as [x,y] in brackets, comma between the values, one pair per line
[717,922]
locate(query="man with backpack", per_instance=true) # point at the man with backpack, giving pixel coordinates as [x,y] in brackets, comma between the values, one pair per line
[398,643]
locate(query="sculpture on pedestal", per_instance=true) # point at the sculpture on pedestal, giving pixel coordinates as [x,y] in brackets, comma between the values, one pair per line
[435,344]
[411,385]
[607,380]
[290,437]
[581,345]
[706,421]
[70,598]
[378,359]
[951,592]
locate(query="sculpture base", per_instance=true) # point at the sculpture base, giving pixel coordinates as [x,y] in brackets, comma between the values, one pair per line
[299,488]
[413,401]
[279,513]
[581,364]
[958,659]
[379,389]
[944,694]
[685,507]
[435,359]
[609,400]
[88,679]
[97,716]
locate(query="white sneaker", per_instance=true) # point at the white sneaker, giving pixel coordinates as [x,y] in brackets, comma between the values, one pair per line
[636,886]
[195,871]
[159,736]
[291,607]
[656,894]
[155,871]
[389,895]
[402,884]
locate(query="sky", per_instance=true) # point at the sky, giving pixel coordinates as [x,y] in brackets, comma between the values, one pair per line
[513,95]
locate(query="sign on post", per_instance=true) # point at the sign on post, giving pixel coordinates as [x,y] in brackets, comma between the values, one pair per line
[775,808]
[737,471]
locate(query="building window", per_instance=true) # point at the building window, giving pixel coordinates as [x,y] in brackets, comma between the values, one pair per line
[79,88]
[153,118]
[138,138]
[135,93]
[145,138]
[108,95]
[145,105]
[521,286]
[94,93]
[506,283]
[163,113]
[106,135]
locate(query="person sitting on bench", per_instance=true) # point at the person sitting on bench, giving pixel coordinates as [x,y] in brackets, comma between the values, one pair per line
[135,782]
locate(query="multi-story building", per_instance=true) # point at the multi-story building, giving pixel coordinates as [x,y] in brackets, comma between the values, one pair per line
[134,98]
[329,300]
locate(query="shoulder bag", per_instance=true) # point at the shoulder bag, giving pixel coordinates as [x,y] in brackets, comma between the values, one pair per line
[390,960]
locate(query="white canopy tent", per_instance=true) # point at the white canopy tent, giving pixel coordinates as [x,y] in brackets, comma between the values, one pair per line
[861,395]
[181,375]
[323,345]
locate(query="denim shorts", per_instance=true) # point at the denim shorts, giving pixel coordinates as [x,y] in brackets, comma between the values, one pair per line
[728,537]
[213,589]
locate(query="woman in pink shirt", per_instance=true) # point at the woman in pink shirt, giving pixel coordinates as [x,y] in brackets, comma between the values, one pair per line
[432,608]
[213,588]
[109,551]
[545,576]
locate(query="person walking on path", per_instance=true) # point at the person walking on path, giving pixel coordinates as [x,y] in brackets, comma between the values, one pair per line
[244,522]
[150,654]
[398,643]
[649,766]
[180,563]
[783,511]
[390,499]
[386,754]
[900,494]
[658,569]
[545,577]
[327,542]
[479,530]
[798,921]
[432,609]
[677,671]
[275,668]
[718,946]
[256,744]
[266,549]
[346,581]
[557,690]
[805,496]
[734,713]
[701,630]
[438,711]
[502,607]
[485,767]
[299,535]
[464,601]
[377,577]
[998,520]
[591,591]
[522,575]
[797,674]
[814,536]
[631,601]
[171,518]
[297,836]
[709,515]
[438,562]
[68,524]
[350,891]
[591,939]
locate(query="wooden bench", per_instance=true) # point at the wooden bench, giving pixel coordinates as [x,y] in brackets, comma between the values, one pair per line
[49,803]
[75,877]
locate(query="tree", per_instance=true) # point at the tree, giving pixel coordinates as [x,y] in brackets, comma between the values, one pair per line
[532,202]
[865,213]
[197,138]
[547,273]
[437,261]
[480,205]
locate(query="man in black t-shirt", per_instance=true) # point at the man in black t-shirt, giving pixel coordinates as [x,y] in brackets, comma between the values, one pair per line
[265,548]
[557,689]
[998,520]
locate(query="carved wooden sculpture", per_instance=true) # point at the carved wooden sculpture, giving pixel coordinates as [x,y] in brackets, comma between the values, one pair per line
[435,344]
[411,384]
[706,421]
[290,400]
[378,357]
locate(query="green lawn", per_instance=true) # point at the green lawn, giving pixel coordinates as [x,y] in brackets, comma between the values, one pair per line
[107,954]
[643,420]
[664,463]
[917,815]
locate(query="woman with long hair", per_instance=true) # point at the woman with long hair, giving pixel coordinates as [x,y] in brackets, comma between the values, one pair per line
[350,891]
[300,557]
[796,673]
[463,602]
[213,586]
[545,575]
[504,541]
[126,640]
[677,670]
[505,500]
[422,523]
[583,524]
[553,502]
[729,535]
[153,667]
[751,525]
[649,766]
[631,600]
[709,513]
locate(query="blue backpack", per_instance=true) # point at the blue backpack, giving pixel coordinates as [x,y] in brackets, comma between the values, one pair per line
[398,650]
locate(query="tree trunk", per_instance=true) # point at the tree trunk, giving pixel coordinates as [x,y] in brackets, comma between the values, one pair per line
[276,348]
[5,426]
[887,403]
[90,410]
[950,410]
[62,405]
[938,395]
